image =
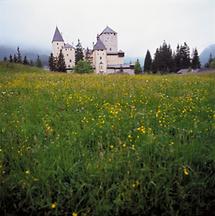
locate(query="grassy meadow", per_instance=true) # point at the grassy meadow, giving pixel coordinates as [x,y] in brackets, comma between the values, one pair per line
[106,145]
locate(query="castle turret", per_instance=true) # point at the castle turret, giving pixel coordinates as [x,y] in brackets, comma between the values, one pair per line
[100,57]
[109,39]
[57,43]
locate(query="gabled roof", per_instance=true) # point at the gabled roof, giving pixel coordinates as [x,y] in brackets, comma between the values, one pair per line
[108,30]
[99,45]
[57,36]
[68,46]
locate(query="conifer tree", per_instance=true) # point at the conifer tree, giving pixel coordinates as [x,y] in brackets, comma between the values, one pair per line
[185,56]
[38,62]
[25,61]
[178,59]
[52,63]
[10,58]
[148,62]
[5,59]
[88,55]
[155,62]
[182,57]
[163,60]
[15,58]
[195,61]
[78,52]
[19,56]
[31,63]
[137,67]
[61,66]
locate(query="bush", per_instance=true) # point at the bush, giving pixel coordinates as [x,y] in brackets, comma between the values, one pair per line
[83,67]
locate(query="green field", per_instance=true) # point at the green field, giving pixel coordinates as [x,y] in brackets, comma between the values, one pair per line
[106,145]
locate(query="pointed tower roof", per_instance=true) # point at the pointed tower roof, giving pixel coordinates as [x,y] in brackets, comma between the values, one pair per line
[57,36]
[108,30]
[99,45]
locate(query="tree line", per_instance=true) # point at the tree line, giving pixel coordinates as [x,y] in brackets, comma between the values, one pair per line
[81,65]
[165,60]
[17,58]
[168,61]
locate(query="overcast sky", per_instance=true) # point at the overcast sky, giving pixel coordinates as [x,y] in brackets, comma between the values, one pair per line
[141,24]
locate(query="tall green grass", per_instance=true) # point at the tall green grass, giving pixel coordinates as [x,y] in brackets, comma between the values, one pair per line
[106,145]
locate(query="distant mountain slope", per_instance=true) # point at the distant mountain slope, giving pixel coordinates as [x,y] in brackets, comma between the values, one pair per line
[31,54]
[129,60]
[204,56]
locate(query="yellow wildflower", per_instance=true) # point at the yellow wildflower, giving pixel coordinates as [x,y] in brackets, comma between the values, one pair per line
[74,214]
[141,129]
[186,171]
[27,172]
[53,205]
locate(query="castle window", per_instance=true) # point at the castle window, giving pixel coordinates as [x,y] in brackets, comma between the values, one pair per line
[67,54]
[70,60]
[110,49]
[57,43]
[68,66]
[100,58]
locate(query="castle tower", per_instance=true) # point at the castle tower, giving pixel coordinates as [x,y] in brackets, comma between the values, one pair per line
[57,43]
[109,39]
[100,57]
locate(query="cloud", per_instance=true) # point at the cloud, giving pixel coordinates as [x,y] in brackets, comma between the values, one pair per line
[141,24]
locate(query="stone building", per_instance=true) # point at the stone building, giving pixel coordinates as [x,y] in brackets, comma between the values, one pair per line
[67,49]
[104,57]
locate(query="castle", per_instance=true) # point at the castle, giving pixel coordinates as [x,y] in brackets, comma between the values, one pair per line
[104,57]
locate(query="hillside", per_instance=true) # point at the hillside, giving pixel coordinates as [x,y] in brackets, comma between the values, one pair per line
[106,145]
[8,68]
[205,54]
[6,51]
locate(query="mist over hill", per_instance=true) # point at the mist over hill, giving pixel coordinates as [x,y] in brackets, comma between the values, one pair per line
[6,51]
[205,54]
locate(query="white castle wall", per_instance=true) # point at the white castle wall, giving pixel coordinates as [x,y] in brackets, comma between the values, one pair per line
[114,59]
[56,47]
[100,61]
[110,41]
[69,56]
